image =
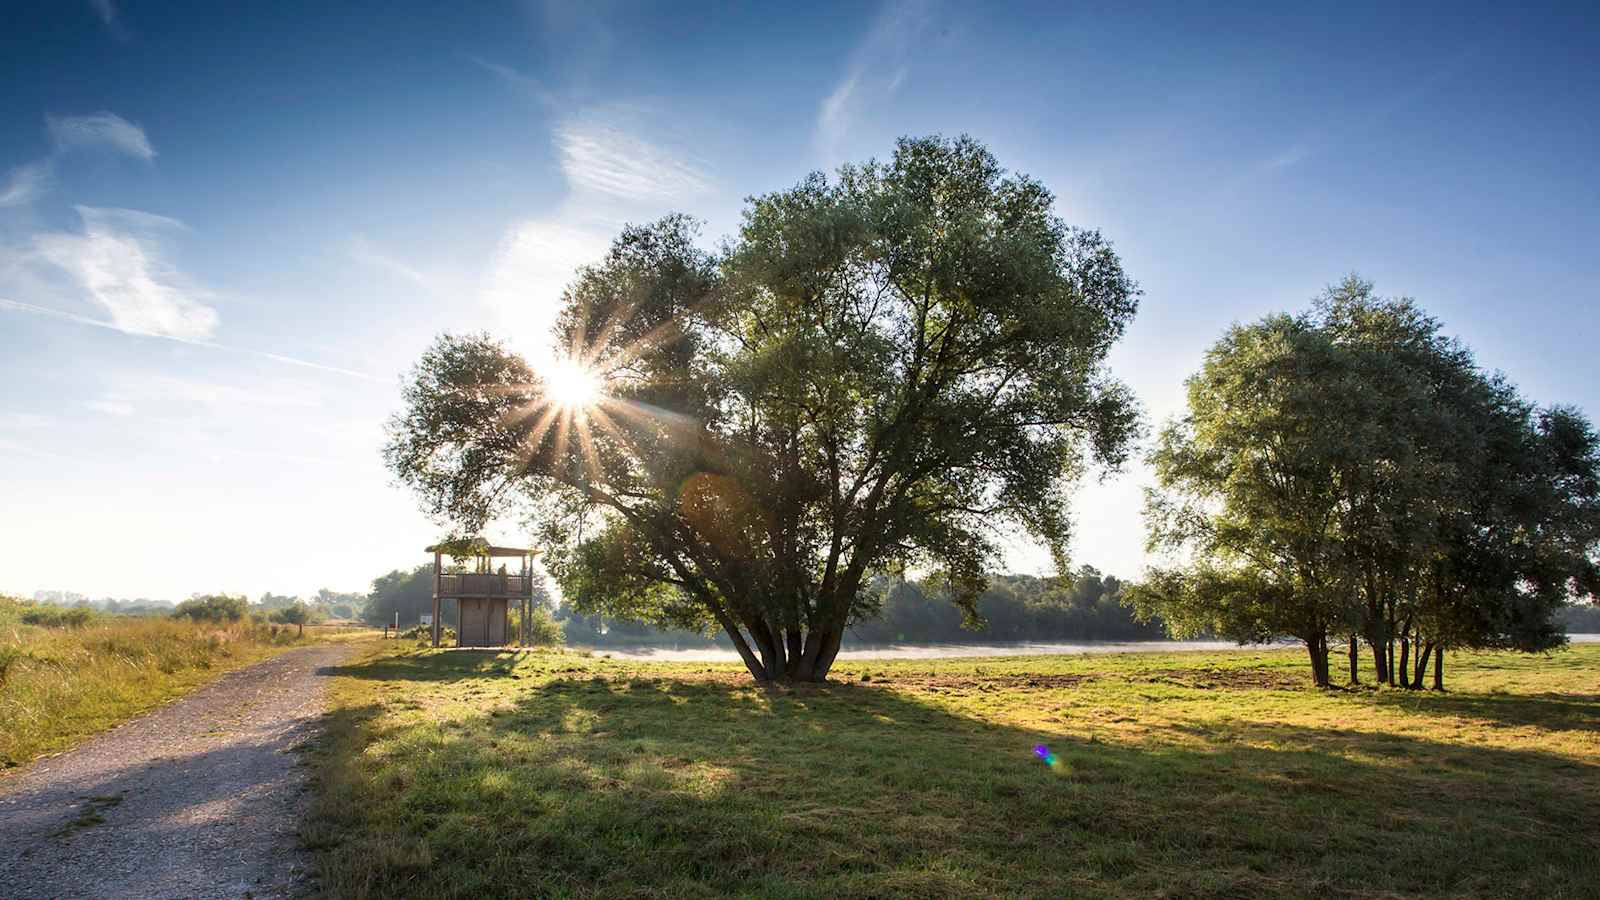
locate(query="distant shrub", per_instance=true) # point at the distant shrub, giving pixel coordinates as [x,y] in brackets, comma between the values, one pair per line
[447,635]
[213,608]
[56,616]
[543,629]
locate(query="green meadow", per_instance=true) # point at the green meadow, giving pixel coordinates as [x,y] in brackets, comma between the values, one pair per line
[479,774]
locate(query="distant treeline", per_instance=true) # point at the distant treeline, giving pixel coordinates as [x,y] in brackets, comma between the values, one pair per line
[1579,619]
[325,604]
[1083,606]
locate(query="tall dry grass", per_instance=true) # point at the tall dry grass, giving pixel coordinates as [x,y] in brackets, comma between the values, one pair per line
[60,683]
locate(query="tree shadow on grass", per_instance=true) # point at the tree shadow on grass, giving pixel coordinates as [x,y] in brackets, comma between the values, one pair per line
[668,787]
[1555,712]
[453,665]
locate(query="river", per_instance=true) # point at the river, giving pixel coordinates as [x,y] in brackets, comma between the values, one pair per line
[951,651]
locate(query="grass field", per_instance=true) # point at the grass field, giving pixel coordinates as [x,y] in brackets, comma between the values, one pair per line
[462,774]
[61,684]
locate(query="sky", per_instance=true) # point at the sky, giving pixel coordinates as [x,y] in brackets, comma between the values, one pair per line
[228,230]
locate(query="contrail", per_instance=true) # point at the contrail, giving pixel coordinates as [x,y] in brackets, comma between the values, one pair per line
[98,323]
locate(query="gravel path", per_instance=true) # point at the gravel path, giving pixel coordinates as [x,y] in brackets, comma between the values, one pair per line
[200,798]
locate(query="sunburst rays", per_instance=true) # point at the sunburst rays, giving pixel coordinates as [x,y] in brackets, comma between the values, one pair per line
[578,400]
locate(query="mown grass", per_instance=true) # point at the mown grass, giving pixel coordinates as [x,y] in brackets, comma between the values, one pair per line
[464,774]
[63,682]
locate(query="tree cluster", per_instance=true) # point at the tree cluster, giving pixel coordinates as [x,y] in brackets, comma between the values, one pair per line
[213,608]
[1350,475]
[406,592]
[1082,605]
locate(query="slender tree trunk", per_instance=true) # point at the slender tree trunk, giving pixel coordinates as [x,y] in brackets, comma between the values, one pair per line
[1355,656]
[1380,670]
[1438,670]
[740,644]
[1402,672]
[795,644]
[1388,656]
[1422,666]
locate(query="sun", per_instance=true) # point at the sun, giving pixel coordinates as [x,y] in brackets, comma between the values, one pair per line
[571,385]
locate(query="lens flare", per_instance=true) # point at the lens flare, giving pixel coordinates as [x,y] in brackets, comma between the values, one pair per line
[1048,756]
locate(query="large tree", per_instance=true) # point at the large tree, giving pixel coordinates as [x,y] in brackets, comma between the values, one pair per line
[1251,489]
[894,367]
[1351,472]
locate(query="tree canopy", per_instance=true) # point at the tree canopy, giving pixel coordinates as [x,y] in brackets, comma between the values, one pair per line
[894,367]
[297,613]
[1350,472]
[408,592]
[213,608]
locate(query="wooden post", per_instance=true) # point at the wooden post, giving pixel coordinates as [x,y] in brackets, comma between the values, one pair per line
[436,562]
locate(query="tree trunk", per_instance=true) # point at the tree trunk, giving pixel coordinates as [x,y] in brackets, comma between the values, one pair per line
[795,643]
[1438,670]
[1380,668]
[740,644]
[1355,656]
[1402,672]
[1422,666]
[812,654]
[830,652]
[302,629]
[1388,656]
[1317,646]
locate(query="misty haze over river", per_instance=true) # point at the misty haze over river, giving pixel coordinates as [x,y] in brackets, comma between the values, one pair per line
[974,649]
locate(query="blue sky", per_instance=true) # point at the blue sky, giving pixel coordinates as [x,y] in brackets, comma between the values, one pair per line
[227,229]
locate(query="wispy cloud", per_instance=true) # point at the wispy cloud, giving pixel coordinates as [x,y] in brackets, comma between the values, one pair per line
[118,261]
[102,129]
[30,181]
[878,68]
[34,309]
[521,81]
[370,254]
[600,153]
[26,182]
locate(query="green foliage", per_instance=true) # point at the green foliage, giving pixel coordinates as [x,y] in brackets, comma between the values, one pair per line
[297,613]
[341,605]
[56,616]
[408,592]
[543,629]
[213,608]
[1350,472]
[882,370]
[423,635]
[1081,605]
